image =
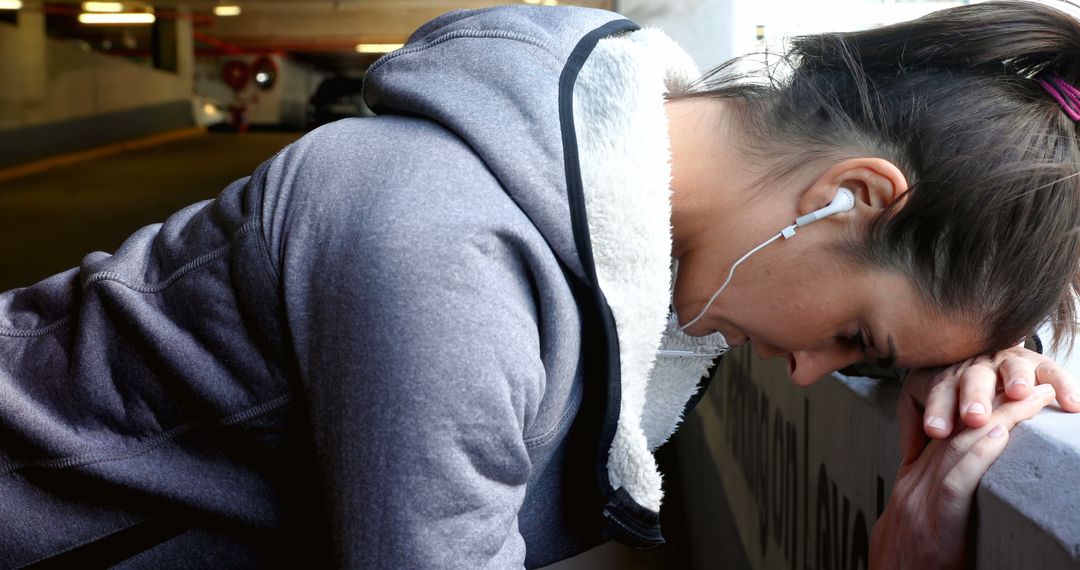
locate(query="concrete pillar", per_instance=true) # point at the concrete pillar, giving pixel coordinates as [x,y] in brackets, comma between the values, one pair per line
[163,44]
[32,53]
[173,48]
[185,52]
[23,73]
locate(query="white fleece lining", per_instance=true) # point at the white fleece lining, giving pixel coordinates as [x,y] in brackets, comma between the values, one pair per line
[622,135]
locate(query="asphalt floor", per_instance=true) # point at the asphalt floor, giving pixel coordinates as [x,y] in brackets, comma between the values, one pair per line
[49,221]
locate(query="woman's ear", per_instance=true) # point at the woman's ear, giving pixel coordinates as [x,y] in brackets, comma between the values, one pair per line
[876,182]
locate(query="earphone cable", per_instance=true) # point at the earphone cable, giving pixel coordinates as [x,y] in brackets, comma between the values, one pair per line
[731,274]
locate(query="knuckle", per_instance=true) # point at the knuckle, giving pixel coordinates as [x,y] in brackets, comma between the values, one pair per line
[1016,363]
[959,368]
[1051,371]
[952,487]
[941,377]
[978,372]
[980,390]
[942,389]
[1016,351]
[986,450]
[955,450]
[978,384]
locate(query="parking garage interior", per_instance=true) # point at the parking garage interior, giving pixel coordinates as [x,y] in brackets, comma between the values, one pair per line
[114,115]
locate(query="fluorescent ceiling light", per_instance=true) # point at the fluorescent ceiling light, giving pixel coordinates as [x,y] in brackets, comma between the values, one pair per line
[10,4]
[227,10]
[123,18]
[377,48]
[102,6]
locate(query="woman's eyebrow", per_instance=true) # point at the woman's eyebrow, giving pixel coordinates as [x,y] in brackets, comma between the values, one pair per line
[889,360]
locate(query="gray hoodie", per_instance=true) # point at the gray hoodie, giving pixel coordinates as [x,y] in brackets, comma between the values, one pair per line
[424,339]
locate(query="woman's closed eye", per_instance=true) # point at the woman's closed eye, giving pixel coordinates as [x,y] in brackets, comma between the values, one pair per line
[858,340]
[863,342]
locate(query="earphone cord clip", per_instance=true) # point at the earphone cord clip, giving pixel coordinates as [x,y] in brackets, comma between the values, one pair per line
[785,233]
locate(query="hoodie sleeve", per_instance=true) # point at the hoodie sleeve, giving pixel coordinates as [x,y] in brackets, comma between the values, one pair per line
[415,331]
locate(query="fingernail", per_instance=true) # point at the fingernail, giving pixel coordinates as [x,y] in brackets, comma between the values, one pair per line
[936,422]
[1018,382]
[976,408]
[997,432]
[1074,398]
[1045,389]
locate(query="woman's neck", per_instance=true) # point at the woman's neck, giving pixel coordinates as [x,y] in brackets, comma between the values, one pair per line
[708,178]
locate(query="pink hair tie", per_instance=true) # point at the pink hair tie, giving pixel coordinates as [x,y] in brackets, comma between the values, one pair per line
[1064,93]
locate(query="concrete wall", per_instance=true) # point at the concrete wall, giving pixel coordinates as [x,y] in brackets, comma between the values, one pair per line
[50,87]
[47,80]
[808,471]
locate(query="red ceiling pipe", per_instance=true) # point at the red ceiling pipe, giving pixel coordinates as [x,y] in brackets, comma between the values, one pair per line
[221,46]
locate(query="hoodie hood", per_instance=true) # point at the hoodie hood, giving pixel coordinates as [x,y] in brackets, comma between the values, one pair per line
[505,107]
[573,126]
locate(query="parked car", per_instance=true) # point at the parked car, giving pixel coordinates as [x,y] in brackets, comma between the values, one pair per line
[336,98]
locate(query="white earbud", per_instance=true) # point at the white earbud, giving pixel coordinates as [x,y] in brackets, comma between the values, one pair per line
[842,202]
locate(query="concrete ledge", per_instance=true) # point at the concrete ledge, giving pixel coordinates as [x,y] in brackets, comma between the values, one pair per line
[808,471]
[1029,501]
[27,144]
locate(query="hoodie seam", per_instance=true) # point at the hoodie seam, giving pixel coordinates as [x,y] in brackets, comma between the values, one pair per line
[466,34]
[153,443]
[137,286]
[143,287]
[546,437]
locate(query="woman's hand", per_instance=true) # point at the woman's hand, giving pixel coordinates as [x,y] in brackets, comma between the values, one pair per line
[926,522]
[967,390]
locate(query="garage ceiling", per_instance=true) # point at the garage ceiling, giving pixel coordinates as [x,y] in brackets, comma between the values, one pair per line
[324,32]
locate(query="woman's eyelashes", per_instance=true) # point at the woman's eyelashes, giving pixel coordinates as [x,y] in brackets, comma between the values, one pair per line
[862,341]
[858,340]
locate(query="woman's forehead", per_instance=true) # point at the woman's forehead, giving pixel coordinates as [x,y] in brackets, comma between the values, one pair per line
[920,334]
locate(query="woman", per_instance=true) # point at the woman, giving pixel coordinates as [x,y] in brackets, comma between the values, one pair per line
[442,337]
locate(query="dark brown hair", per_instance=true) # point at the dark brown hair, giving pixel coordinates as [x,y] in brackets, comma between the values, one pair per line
[988,230]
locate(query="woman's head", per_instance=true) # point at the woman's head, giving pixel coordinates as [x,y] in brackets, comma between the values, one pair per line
[987,225]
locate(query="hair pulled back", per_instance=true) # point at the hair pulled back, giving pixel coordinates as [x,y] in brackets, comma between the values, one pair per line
[988,229]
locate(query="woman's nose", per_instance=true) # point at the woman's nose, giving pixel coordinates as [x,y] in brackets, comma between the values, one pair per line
[811,365]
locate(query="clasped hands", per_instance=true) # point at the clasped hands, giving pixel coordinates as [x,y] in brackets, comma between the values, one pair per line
[954,422]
